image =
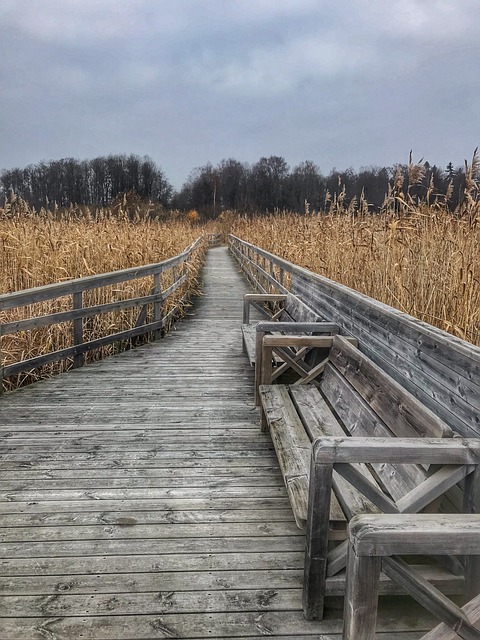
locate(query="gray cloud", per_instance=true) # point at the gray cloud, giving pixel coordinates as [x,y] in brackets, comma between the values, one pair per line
[342,83]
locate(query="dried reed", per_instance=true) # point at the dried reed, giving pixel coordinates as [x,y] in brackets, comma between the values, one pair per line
[42,248]
[416,257]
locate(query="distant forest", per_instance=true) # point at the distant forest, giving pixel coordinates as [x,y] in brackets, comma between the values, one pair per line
[266,186]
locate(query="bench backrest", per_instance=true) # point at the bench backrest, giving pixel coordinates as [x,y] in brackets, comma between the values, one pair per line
[294,310]
[368,403]
[442,371]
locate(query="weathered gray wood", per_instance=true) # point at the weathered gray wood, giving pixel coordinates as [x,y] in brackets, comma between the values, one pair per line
[319,421]
[292,446]
[77,300]
[443,632]
[408,450]
[439,369]
[298,327]
[403,414]
[471,505]
[361,596]
[68,316]
[431,598]
[408,534]
[373,537]
[157,305]
[360,420]
[316,539]
[297,311]
[432,488]
[250,298]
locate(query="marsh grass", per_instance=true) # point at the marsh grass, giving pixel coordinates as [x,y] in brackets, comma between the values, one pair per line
[42,248]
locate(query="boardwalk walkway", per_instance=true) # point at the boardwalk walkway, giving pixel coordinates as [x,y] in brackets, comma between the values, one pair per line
[139,499]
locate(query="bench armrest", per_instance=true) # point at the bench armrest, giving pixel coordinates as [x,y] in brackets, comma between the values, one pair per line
[251,298]
[298,327]
[331,450]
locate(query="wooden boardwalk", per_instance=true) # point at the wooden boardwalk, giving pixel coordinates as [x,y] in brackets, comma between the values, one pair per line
[140,500]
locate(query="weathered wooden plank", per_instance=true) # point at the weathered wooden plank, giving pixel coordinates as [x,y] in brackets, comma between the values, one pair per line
[361,596]
[360,420]
[115,547]
[131,520]
[214,502]
[319,421]
[110,564]
[129,528]
[292,446]
[409,450]
[199,625]
[74,314]
[233,578]
[407,534]
[403,414]
[127,482]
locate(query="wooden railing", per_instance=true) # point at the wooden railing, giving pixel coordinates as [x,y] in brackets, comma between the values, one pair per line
[439,369]
[266,272]
[214,239]
[168,276]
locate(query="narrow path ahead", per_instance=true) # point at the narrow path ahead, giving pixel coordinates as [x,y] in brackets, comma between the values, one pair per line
[139,499]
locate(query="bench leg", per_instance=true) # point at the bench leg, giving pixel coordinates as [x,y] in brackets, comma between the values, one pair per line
[316,540]
[361,596]
[258,364]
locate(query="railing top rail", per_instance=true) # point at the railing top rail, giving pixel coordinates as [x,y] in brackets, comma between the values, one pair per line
[59,289]
[280,262]
[466,348]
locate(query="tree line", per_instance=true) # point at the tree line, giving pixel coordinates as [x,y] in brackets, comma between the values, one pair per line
[89,182]
[263,187]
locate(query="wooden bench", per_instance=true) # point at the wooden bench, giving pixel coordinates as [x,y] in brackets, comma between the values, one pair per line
[367,430]
[294,317]
[376,541]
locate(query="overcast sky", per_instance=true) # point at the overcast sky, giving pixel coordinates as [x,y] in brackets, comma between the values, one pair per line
[340,82]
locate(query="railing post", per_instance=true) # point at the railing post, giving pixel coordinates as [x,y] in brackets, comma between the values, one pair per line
[1,362]
[158,304]
[78,359]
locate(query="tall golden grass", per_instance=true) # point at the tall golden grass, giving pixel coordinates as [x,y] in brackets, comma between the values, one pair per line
[417,257]
[42,248]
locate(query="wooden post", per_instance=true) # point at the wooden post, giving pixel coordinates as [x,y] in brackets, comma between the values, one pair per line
[258,363]
[316,542]
[374,536]
[246,311]
[78,359]
[361,596]
[158,304]
[1,362]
